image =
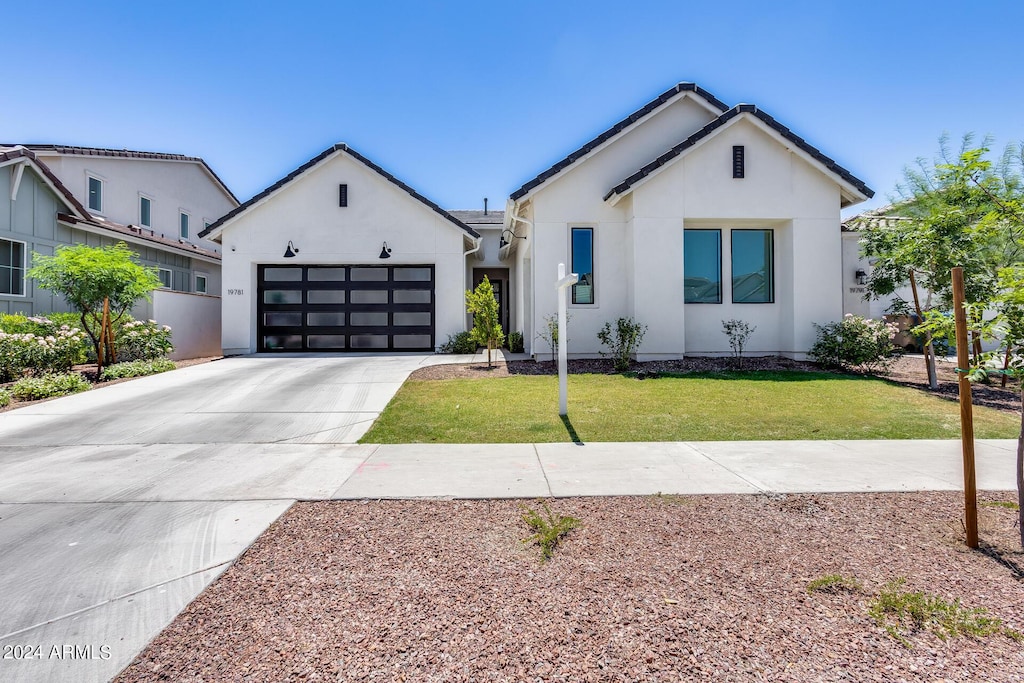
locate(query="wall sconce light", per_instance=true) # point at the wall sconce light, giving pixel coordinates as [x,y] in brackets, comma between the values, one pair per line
[862,277]
[291,251]
[508,235]
[385,251]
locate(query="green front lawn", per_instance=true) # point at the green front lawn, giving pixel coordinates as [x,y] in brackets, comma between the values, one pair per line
[721,407]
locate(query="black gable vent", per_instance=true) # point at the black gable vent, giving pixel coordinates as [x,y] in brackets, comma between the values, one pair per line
[342,195]
[737,161]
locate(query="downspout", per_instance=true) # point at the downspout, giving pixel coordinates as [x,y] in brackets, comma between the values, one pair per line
[479,242]
[468,282]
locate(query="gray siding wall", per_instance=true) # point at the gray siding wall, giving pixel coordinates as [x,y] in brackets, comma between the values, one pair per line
[32,219]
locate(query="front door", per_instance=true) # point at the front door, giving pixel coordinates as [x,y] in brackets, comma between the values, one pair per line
[499,283]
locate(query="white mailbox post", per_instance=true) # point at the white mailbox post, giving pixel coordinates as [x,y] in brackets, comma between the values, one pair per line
[563,380]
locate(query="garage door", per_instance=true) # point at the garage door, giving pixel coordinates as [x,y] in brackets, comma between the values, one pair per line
[345,308]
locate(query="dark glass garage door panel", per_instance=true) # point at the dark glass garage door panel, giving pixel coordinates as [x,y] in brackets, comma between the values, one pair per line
[332,307]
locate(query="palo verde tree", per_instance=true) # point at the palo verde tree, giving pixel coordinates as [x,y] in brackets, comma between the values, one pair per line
[486,326]
[944,215]
[89,276]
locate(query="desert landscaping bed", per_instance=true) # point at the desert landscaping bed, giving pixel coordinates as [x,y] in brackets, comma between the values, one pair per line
[650,588]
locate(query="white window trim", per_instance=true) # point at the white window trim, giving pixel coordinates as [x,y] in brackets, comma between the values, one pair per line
[24,269]
[149,198]
[206,283]
[171,278]
[90,175]
[568,233]
[183,212]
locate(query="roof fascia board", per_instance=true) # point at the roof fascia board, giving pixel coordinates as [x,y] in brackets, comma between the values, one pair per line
[51,181]
[97,229]
[726,121]
[215,230]
[677,93]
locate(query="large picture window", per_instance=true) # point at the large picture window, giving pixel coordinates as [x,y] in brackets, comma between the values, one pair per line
[702,266]
[583,265]
[12,267]
[753,278]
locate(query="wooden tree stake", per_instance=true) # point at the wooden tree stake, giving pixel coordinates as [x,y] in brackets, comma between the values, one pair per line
[966,410]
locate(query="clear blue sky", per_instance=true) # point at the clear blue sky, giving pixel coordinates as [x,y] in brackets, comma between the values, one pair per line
[464,100]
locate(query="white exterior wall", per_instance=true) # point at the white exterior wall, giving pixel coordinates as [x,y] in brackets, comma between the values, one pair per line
[172,186]
[306,212]
[639,243]
[194,320]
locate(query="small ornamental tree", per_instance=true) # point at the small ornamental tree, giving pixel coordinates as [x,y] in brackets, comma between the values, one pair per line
[484,307]
[88,276]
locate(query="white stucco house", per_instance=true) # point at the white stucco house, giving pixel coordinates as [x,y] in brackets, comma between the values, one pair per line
[685,213]
[56,195]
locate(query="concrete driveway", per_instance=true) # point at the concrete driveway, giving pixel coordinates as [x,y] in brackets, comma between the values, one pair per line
[118,506]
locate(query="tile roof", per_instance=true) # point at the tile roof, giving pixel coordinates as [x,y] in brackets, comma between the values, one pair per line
[20,152]
[727,116]
[340,147]
[186,248]
[127,154]
[625,123]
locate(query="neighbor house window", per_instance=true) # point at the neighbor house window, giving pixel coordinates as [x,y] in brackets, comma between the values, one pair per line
[145,212]
[583,265]
[95,194]
[183,222]
[702,266]
[12,267]
[753,279]
[165,277]
[200,284]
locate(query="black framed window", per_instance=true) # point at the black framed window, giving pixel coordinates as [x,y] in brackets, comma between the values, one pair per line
[702,266]
[12,267]
[583,265]
[753,277]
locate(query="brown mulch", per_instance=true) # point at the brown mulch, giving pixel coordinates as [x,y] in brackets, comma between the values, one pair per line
[908,371]
[659,588]
[88,371]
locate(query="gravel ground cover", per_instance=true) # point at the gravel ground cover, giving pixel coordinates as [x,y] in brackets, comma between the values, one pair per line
[659,588]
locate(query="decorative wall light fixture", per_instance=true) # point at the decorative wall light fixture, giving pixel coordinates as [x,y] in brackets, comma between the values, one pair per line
[385,251]
[862,277]
[291,250]
[508,235]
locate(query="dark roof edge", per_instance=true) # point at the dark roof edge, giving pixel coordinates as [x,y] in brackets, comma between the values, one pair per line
[342,147]
[639,114]
[707,130]
[129,154]
[22,152]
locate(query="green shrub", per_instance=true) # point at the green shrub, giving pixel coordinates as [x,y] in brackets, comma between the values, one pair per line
[5,398]
[738,333]
[855,343]
[548,532]
[44,347]
[142,340]
[622,341]
[515,342]
[137,368]
[462,342]
[48,386]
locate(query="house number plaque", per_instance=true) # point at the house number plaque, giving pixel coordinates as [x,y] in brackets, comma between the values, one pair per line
[236,292]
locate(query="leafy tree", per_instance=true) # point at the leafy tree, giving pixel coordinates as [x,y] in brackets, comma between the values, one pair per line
[947,213]
[486,327]
[88,276]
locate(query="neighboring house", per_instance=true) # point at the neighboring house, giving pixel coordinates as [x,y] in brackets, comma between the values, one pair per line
[684,214]
[39,211]
[857,269]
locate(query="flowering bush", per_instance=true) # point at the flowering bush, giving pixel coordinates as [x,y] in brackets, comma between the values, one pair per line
[50,385]
[143,340]
[855,343]
[47,348]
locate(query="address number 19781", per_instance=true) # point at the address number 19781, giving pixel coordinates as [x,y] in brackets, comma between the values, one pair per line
[236,292]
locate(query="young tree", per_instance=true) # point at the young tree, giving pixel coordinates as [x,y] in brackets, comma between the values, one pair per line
[943,217]
[484,307]
[89,276]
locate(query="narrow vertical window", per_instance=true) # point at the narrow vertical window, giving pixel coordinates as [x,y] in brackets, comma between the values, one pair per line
[702,266]
[145,212]
[184,225]
[165,276]
[342,195]
[753,278]
[738,165]
[200,284]
[12,268]
[95,194]
[583,265]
